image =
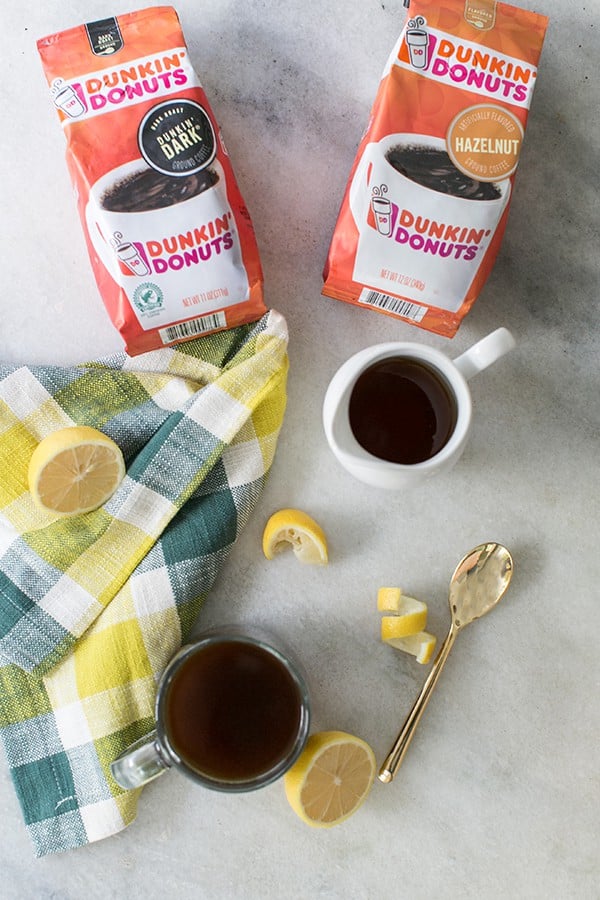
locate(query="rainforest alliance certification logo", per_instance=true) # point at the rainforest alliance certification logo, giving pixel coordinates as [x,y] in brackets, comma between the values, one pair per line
[148,298]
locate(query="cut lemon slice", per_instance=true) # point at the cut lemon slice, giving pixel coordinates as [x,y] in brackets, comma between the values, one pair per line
[389,599]
[409,615]
[331,778]
[410,619]
[294,528]
[420,645]
[75,470]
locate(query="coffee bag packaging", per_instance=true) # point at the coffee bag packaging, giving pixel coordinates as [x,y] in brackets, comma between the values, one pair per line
[170,240]
[427,199]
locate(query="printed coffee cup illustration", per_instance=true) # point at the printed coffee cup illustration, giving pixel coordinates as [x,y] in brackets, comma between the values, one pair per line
[441,220]
[129,255]
[154,233]
[66,99]
[417,40]
[382,210]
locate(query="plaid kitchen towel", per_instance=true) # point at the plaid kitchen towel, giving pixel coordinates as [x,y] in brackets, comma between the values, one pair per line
[93,606]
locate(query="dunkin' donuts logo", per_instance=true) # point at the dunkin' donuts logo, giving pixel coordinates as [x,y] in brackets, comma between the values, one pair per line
[174,252]
[425,235]
[465,64]
[123,85]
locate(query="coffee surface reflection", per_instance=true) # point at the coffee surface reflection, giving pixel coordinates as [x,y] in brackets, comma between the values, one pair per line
[233,711]
[402,411]
[149,190]
[434,169]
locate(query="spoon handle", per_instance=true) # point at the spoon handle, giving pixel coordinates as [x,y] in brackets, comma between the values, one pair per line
[396,755]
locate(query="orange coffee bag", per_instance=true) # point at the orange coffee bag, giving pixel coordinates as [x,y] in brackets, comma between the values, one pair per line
[428,195]
[170,240]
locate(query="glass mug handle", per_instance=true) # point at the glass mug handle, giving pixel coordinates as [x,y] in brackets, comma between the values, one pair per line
[140,763]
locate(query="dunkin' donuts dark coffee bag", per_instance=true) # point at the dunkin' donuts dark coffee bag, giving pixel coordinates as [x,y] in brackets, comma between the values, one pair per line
[427,200]
[169,237]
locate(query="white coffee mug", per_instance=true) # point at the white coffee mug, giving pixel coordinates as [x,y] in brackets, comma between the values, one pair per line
[382,473]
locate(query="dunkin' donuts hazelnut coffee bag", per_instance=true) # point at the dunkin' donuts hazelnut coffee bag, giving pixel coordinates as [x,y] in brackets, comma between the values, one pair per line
[428,195]
[170,240]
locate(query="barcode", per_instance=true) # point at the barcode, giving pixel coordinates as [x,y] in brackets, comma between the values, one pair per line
[393,304]
[192,328]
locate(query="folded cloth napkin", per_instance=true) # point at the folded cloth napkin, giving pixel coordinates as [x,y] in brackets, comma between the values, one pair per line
[92,607]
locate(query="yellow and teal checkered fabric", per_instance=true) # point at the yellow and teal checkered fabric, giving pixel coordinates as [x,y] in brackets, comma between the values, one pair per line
[92,607]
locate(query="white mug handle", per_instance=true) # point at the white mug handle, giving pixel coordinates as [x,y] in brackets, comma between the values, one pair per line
[484,352]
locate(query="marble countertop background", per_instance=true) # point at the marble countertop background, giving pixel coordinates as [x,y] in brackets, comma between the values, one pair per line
[499,794]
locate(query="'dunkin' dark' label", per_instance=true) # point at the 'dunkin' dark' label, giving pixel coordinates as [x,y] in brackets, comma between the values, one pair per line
[177,138]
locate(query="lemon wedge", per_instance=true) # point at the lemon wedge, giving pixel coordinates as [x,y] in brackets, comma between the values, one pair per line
[294,528]
[410,617]
[75,470]
[420,645]
[331,778]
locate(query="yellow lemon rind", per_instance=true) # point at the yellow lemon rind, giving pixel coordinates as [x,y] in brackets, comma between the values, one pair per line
[296,777]
[63,440]
[295,529]
[388,599]
[419,645]
[403,624]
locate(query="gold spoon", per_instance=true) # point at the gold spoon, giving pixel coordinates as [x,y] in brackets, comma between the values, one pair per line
[478,583]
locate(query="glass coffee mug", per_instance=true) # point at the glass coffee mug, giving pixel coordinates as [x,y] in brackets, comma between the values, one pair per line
[395,414]
[232,713]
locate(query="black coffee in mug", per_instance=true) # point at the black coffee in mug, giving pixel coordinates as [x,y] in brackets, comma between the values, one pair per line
[402,410]
[232,711]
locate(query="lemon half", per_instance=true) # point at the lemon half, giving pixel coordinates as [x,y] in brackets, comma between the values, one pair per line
[294,528]
[75,470]
[331,778]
